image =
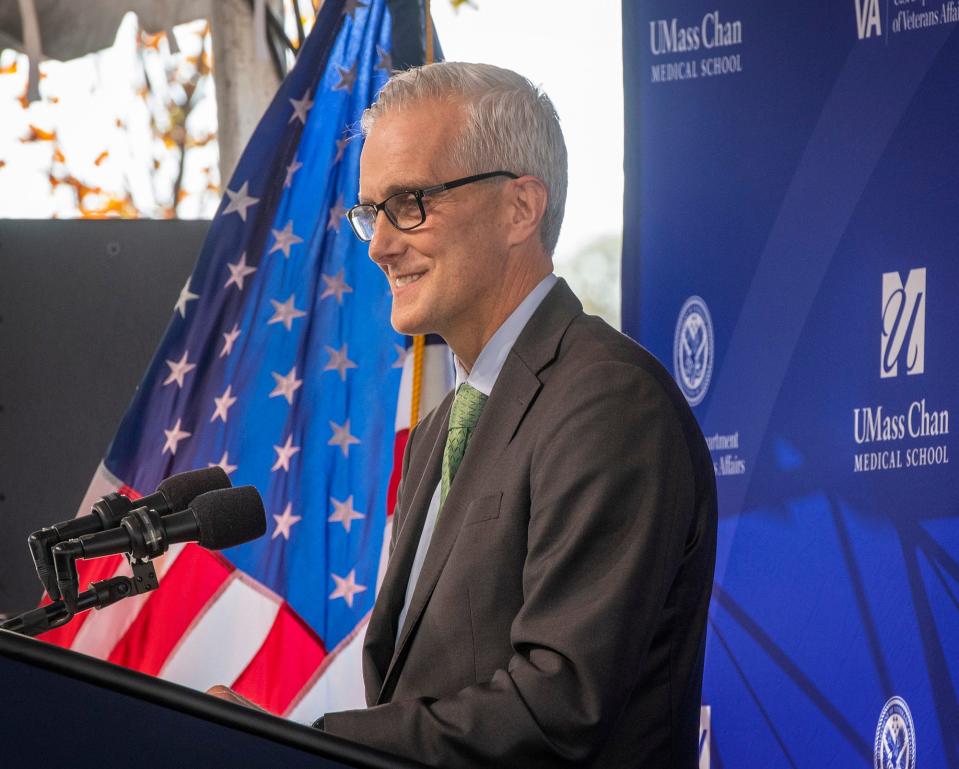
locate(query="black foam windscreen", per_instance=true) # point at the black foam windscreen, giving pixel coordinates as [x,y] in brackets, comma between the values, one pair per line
[181,489]
[229,517]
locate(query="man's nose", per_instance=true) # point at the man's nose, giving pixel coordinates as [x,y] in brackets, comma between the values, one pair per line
[386,243]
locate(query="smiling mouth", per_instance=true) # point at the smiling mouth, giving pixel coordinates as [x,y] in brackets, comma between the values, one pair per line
[404,280]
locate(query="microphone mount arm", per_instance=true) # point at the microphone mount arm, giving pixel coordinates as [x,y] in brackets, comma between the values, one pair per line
[100,595]
[142,529]
[146,532]
[107,514]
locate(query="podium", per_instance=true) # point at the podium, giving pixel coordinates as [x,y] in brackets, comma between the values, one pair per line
[60,708]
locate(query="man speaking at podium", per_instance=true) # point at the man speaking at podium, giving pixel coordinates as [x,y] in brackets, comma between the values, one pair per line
[555,530]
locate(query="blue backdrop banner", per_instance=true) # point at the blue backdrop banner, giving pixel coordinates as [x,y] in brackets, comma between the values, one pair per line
[791,252]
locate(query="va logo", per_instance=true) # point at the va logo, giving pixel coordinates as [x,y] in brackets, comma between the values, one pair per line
[895,746]
[868,21]
[693,350]
[903,323]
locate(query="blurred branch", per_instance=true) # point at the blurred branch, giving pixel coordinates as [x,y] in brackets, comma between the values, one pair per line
[169,100]
[298,16]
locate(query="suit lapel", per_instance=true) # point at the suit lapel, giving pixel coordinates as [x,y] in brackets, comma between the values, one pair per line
[496,427]
[425,465]
[515,389]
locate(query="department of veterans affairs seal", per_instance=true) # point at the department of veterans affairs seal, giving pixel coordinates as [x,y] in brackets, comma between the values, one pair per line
[895,737]
[693,350]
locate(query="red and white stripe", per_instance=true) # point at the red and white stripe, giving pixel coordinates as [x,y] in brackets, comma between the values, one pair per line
[209,623]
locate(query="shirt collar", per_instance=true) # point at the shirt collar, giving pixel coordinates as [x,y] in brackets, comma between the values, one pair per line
[493,355]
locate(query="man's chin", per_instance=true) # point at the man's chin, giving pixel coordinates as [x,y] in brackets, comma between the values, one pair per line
[409,324]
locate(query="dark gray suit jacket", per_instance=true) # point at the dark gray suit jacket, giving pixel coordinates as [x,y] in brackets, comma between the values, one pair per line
[560,616]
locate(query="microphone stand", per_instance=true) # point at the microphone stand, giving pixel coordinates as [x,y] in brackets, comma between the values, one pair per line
[100,595]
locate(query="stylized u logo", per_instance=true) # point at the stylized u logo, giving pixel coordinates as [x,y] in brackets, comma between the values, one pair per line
[903,323]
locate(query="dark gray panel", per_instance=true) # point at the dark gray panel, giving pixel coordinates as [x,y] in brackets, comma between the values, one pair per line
[83,305]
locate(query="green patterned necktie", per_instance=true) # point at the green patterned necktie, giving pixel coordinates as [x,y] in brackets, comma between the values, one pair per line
[467,407]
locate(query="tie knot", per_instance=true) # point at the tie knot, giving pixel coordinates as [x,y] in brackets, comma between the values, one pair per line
[467,405]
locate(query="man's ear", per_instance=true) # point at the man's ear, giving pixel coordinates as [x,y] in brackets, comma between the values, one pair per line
[527,205]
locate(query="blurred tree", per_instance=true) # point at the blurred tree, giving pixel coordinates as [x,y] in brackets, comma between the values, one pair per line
[172,93]
[149,139]
[593,273]
[156,161]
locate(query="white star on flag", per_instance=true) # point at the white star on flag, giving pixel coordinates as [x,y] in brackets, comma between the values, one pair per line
[285,522]
[185,296]
[351,7]
[178,370]
[300,108]
[339,361]
[286,385]
[228,340]
[346,587]
[283,454]
[344,513]
[284,239]
[224,463]
[240,201]
[335,286]
[336,215]
[286,313]
[223,404]
[341,437]
[347,78]
[173,437]
[238,272]
[291,169]
[401,353]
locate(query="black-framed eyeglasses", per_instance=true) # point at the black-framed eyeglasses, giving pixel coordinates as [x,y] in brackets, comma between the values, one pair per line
[405,209]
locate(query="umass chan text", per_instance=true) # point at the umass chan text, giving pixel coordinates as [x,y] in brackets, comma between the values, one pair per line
[874,424]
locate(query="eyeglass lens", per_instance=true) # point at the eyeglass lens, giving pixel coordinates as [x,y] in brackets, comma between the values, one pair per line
[362,218]
[403,209]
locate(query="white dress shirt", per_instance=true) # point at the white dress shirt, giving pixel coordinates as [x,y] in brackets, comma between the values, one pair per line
[483,376]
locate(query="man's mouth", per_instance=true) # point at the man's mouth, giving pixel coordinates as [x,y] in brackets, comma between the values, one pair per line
[404,280]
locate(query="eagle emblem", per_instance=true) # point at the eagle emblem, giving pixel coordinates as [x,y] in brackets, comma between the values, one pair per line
[895,737]
[693,350]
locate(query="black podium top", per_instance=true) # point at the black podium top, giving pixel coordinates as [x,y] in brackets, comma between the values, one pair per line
[60,708]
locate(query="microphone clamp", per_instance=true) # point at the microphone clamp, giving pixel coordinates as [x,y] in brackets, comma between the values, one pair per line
[147,536]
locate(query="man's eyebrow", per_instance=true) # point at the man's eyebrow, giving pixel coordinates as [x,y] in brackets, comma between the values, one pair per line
[392,189]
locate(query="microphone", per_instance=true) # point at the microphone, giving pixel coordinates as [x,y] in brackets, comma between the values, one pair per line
[172,494]
[215,520]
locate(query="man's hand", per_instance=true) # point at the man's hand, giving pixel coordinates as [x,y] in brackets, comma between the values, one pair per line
[226,693]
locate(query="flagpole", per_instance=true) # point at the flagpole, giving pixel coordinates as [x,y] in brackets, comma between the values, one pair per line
[429,32]
[419,341]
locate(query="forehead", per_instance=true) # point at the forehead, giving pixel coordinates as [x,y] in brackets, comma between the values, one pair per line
[409,147]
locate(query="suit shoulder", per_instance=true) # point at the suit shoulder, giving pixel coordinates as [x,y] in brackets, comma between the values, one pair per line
[594,352]
[591,342]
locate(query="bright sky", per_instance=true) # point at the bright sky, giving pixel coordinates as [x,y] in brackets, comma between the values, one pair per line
[573,50]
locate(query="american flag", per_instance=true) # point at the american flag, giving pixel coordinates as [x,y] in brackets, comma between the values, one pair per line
[279,365]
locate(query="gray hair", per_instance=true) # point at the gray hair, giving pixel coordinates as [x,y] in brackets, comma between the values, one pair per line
[511,125]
